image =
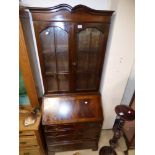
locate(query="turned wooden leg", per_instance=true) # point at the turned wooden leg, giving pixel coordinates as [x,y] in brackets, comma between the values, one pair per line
[124,113]
[119,122]
[126,152]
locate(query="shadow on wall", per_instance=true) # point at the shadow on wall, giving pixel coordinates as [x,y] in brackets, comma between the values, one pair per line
[109,111]
[108,49]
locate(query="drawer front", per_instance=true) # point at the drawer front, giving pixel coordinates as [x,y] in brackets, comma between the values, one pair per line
[29,151]
[72,127]
[27,133]
[90,125]
[28,141]
[60,133]
[88,133]
[63,138]
[66,133]
[56,128]
[72,146]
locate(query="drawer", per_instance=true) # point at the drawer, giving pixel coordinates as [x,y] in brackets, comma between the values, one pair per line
[64,127]
[26,133]
[25,141]
[72,127]
[73,145]
[87,125]
[90,133]
[29,151]
[62,138]
[60,133]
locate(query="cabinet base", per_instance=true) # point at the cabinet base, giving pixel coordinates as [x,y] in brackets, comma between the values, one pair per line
[95,148]
[51,153]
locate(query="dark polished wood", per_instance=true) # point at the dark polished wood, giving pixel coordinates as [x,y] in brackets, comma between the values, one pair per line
[69,13]
[129,129]
[124,113]
[72,122]
[75,108]
[71,44]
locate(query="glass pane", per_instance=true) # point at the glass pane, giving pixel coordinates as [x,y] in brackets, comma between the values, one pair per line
[88,49]
[86,81]
[52,84]
[92,81]
[61,38]
[88,55]
[54,41]
[81,81]
[63,82]
[23,97]
[48,49]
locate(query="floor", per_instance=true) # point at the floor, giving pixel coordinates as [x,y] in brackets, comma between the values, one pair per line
[104,140]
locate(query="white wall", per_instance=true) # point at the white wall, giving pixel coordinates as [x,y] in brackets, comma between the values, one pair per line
[96,4]
[119,58]
[120,50]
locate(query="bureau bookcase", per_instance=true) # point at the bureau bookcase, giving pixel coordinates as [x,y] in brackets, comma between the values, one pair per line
[71,44]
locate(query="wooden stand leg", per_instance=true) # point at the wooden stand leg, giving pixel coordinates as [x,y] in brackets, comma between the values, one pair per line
[126,152]
[124,113]
[117,132]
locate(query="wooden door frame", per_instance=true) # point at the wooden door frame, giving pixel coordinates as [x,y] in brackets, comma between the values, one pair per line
[25,68]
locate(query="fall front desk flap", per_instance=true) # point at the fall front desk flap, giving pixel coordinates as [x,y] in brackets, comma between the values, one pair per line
[69,109]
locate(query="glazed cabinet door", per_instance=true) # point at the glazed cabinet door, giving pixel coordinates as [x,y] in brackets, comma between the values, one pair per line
[71,55]
[53,47]
[90,38]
